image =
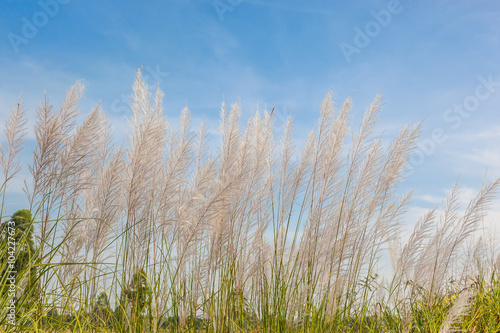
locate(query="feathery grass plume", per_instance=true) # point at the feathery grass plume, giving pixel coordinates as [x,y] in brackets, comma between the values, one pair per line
[412,250]
[50,175]
[107,205]
[144,158]
[473,264]
[103,208]
[84,155]
[461,305]
[255,213]
[334,196]
[186,228]
[227,184]
[185,200]
[82,158]
[323,174]
[143,163]
[442,247]
[15,131]
[52,136]
[284,274]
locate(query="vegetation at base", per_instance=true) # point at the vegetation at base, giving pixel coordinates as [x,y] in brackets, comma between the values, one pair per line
[168,234]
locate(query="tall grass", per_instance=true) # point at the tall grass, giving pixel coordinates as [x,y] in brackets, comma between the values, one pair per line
[167,233]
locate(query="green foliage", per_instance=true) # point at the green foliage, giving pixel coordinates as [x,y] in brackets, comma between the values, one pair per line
[134,307]
[101,311]
[22,224]
[19,231]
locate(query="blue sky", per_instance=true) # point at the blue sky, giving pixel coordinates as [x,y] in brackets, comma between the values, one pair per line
[437,60]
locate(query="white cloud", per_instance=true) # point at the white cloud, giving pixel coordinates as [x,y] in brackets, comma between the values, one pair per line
[466,194]
[488,157]
[489,133]
[433,199]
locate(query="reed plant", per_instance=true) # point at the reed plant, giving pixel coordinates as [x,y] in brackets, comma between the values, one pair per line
[169,233]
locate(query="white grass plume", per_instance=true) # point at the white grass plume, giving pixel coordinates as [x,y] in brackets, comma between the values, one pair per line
[459,308]
[15,131]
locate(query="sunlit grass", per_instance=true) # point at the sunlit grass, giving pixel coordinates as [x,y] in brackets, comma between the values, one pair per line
[168,234]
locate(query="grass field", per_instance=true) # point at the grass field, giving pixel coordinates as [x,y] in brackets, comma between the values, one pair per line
[170,233]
